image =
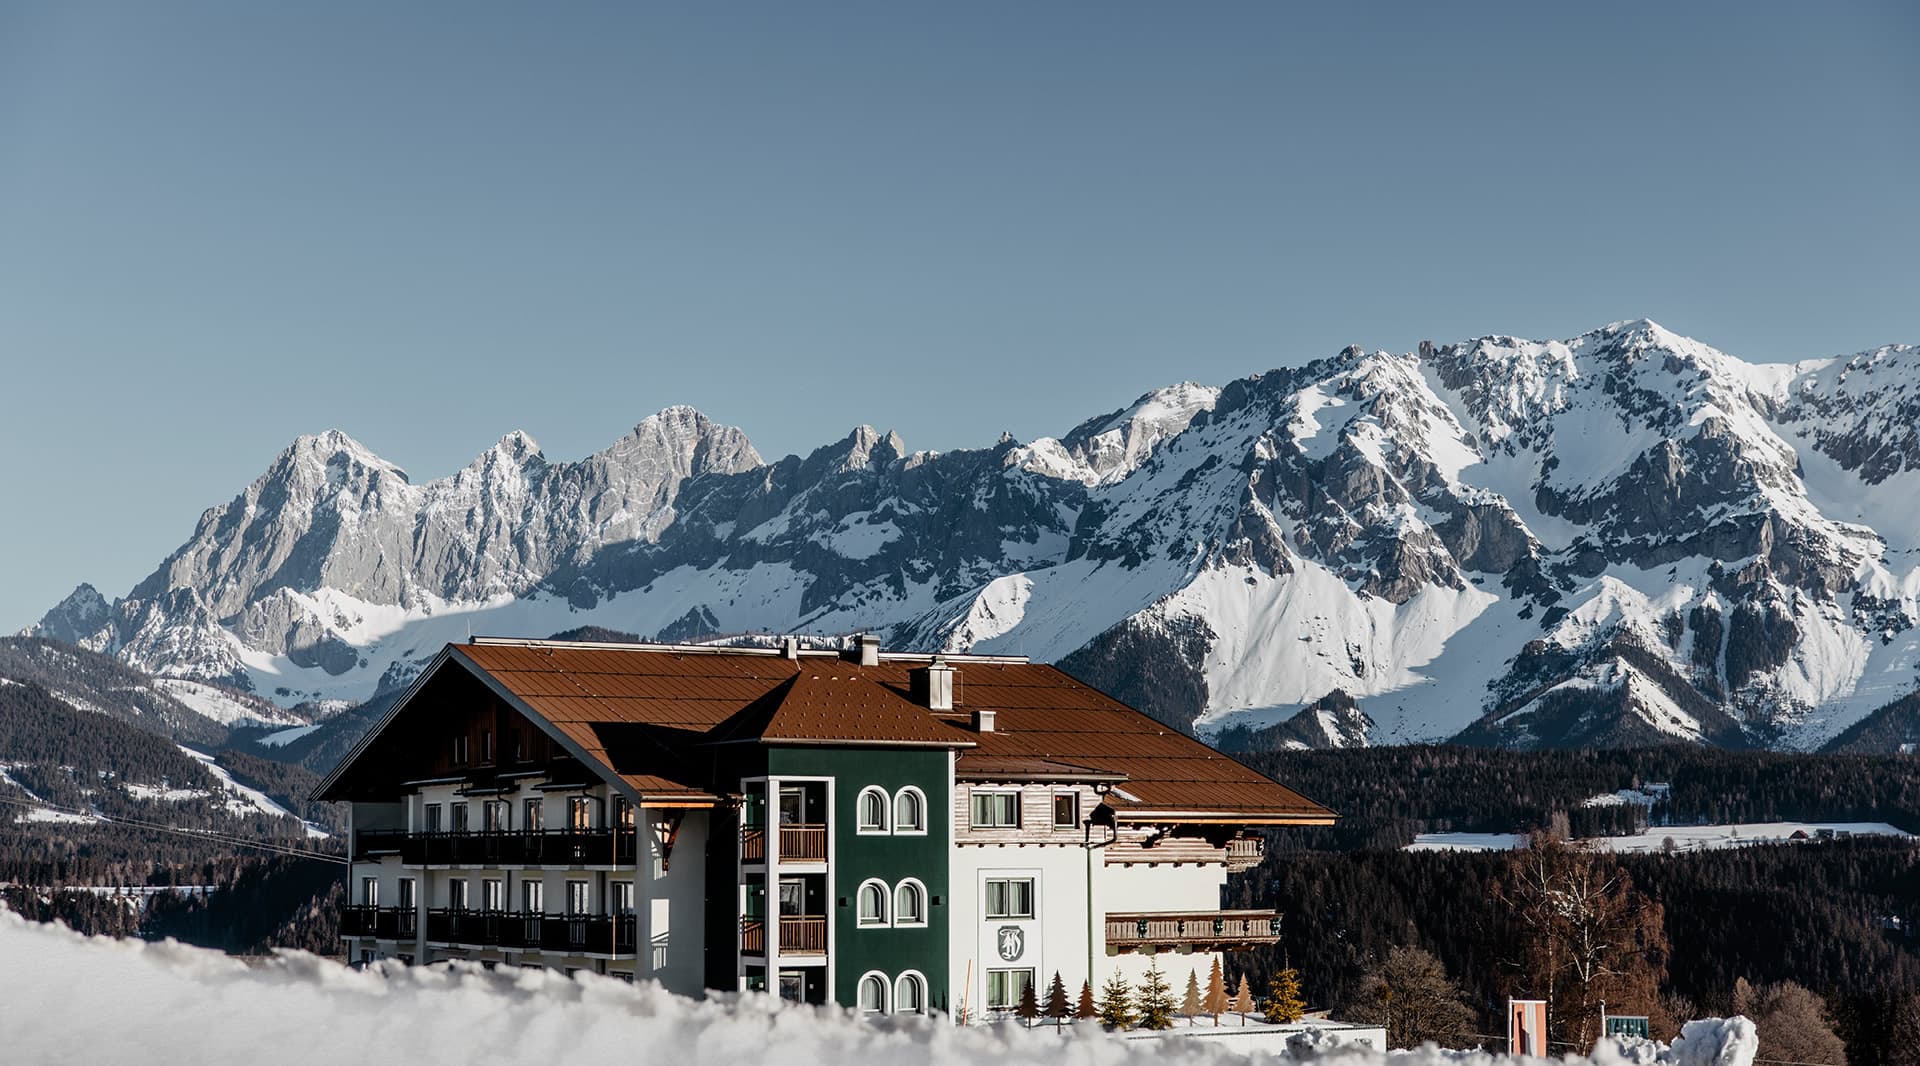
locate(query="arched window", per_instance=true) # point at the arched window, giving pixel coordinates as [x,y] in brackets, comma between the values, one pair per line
[873,810]
[910,903]
[873,993]
[910,994]
[910,811]
[873,903]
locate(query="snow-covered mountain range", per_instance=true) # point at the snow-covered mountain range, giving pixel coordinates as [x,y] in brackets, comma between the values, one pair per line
[1621,537]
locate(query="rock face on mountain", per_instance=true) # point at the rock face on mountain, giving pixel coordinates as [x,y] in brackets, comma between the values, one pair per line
[1622,537]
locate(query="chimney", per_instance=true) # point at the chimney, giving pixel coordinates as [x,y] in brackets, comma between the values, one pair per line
[933,686]
[869,650]
[983,721]
[790,647]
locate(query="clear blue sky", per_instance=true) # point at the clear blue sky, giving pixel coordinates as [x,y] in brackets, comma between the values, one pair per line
[430,223]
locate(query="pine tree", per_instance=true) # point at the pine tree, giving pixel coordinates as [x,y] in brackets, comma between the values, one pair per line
[1029,1007]
[1156,999]
[1243,1000]
[1057,1006]
[1085,1008]
[1191,1005]
[1216,1001]
[1283,1003]
[1116,1003]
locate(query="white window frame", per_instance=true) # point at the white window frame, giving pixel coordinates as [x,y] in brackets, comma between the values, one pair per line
[885,918]
[918,828]
[879,982]
[1006,1008]
[860,824]
[370,891]
[579,898]
[906,884]
[916,980]
[1033,901]
[973,812]
[1054,814]
[493,894]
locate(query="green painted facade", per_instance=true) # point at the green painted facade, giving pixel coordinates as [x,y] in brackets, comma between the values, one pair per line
[857,857]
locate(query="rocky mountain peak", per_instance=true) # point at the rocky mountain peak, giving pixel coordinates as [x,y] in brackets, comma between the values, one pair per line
[1623,534]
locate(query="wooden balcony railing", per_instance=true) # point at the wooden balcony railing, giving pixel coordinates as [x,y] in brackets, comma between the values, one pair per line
[1197,930]
[573,934]
[800,934]
[799,842]
[803,935]
[803,843]
[373,843]
[1245,853]
[553,847]
[388,923]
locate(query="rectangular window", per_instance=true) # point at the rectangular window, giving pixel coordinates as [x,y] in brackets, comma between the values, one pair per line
[535,819]
[460,817]
[996,810]
[1005,987]
[622,812]
[406,894]
[793,985]
[533,897]
[1066,810]
[1010,897]
[460,750]
[579,813]
[370,891]
[457,893]
[486,745]
[494,815]
[519,745]
[433,818]
[623,897]
[492,898]
[577,900]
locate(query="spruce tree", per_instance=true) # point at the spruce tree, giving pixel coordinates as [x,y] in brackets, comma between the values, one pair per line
[1191,1005]
[1156,999]
[1283,1003]
[1216,1001]
[1116,1003]
[1085,1008]
[1243,1000]
[1029,1007]
[1057,1006]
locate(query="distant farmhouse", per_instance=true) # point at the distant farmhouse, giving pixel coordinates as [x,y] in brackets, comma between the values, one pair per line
[898,833]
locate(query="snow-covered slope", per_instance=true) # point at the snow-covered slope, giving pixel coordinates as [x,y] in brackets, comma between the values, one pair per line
[1619,537]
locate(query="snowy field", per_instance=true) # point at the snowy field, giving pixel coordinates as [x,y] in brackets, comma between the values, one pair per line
[1685,837]
[173,1004]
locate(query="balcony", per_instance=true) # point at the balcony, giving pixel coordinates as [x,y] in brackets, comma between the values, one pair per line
[555,847]
[568,934]
[387,923]
[371,844]
[799,842]
[1245,853]
[800,934]
[1191,930]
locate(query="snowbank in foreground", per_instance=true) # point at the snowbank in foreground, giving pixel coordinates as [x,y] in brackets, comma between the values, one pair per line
[72,1000]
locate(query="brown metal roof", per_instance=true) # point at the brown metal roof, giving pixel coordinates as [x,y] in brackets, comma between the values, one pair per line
[822,703]
[639,710]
